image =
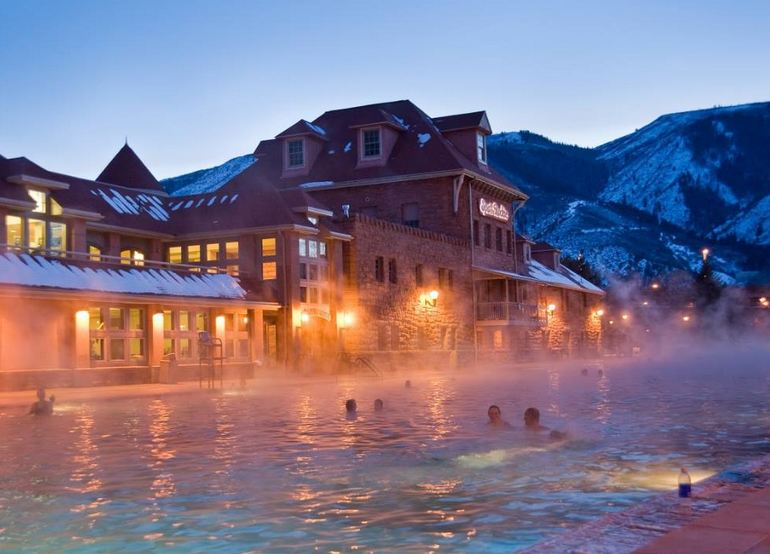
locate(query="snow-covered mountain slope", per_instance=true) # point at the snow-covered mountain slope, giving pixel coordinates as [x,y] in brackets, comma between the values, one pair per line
[208,180]
[649,202]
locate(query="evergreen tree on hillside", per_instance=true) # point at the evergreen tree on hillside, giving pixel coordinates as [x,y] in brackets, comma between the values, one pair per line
[580,265]
[707,288]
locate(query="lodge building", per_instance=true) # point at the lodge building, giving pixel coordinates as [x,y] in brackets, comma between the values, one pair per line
[374,235]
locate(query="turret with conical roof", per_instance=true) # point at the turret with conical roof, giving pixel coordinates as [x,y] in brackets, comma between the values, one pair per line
[128,170]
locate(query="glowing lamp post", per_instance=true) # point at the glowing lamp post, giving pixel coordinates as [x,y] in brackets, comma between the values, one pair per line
[304,317]
[705,253]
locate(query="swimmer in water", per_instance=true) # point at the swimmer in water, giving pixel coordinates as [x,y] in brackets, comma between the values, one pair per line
[408,384]
[378,405]
[584,371]
[350,406]
[42,406]
[532,423]
[496,417]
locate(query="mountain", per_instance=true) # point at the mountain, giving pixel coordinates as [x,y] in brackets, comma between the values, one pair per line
[650,201]
[207,180]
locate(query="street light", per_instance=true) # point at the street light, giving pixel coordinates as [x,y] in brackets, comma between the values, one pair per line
[705,253]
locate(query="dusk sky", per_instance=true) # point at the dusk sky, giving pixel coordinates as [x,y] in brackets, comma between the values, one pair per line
[193,84]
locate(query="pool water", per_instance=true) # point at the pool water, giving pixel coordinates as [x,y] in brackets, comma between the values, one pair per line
[280,468]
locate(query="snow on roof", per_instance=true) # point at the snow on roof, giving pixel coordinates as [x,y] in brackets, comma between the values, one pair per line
[206,201]
[316,184]
[423,138]
[207,180]
[316,128]
[564,277]
[39,271]
[135,204]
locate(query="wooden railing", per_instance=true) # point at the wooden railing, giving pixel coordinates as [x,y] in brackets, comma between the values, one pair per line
[510,311]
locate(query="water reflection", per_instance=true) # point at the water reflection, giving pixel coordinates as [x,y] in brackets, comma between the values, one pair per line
[161,452]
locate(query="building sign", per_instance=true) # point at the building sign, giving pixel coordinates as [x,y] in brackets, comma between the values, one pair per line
[494,210]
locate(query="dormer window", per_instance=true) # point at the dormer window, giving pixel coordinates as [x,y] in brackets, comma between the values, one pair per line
[372,143]
[481,147]
[295,153]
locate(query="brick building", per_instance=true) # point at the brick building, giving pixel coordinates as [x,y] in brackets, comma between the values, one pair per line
[373,233]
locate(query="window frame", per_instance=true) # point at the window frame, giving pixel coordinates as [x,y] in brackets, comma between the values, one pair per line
[289,153]
[364,144]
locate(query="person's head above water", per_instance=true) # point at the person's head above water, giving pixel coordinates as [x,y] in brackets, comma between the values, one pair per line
[407,383]
[350,405]
[378,405]
[41,393]
[532,417]
[495,415]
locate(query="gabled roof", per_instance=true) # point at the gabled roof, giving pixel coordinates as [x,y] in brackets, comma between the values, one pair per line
[303,128]
[420,149]
[473,120]
[127,170]
[544,247]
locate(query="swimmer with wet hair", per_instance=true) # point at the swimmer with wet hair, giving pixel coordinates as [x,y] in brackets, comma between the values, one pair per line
[496,417]
[584,371]
[407,384]
[350,406]
[532,423]
[378,405]
[42,406]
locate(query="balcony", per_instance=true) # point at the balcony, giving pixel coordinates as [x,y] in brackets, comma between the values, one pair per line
[515,313]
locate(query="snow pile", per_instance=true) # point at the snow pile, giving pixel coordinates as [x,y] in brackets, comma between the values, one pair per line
[207,180]
[39,271]
[423,138]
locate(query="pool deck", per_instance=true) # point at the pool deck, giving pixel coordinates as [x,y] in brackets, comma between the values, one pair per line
[727,514]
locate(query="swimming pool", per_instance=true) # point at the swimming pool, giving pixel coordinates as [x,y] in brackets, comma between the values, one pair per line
[281,468]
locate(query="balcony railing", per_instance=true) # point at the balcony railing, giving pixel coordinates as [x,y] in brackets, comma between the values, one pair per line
[510,311]
[113,261]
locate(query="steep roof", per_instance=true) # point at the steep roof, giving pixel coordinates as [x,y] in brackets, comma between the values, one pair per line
[126,169]
[472,120]
[420,148]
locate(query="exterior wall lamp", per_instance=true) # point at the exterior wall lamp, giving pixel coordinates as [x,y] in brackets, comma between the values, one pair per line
[304,317]
[430,298]
[551,308]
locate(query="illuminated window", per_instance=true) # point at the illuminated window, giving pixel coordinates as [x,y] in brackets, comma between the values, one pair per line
[184,320]
[36,233]
[302,247]
[97,349]
[185,350]
[231,250]
[131,256]
[116,319]
[371,142]
[269,271]
[322,249]
[232,270]
[135,319]
[136,349]
[174,254]
[94,253]
[312,249]
[212,252]
[40,201]
[268,247]
[14,232]
[95,320]
[168,347]
[117,350]
[56,208]
[201,321]
[295,150]
[194,254]
[168,320]
[58,240]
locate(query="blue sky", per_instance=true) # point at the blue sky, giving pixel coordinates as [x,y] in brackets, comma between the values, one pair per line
[195,83]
